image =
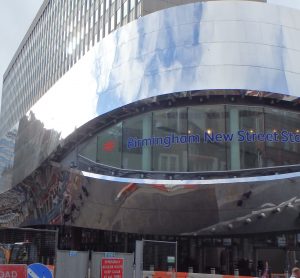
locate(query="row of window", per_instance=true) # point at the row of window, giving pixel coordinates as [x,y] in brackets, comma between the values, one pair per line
[202,138]
[64,32]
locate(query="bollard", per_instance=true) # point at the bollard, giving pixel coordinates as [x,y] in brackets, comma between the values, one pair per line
[286,274]
[212,270]
[190,269]
[236,272]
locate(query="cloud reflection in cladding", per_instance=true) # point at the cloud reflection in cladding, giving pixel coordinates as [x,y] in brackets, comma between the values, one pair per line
[214,45]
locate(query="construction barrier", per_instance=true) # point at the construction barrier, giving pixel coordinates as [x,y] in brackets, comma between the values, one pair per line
[162,274]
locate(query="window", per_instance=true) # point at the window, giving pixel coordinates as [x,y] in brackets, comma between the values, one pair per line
[112,23]
[125,8]
[199,138]
[244,155]
[169,126]
[206,155]
[109,146]
[135,156]
[96,15]
[118,16]
[101,9]
[282,153]
[132,4]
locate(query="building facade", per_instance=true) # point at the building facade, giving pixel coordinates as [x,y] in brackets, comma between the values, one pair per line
[182,124]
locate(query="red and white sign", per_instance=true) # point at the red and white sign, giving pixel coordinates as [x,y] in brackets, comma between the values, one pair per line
[112,267]
[13,271]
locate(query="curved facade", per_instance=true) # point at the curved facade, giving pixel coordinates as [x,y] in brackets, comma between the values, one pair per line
[183,122]
[177,63]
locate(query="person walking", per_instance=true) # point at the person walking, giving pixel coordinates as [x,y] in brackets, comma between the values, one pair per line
[295,272]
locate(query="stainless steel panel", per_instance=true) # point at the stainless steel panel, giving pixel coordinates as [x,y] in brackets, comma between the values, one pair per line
[225,45]
[56,196]
[214,45]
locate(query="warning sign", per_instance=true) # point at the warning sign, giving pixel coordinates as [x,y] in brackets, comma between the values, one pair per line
[13,271]
[112,267]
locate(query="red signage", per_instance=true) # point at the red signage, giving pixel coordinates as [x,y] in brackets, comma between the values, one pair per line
[112,267]
[109,146]
[13,271]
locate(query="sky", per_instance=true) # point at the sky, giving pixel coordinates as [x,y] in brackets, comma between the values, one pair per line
[17,15]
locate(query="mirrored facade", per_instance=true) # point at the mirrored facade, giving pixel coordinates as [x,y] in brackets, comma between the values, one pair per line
[180,125]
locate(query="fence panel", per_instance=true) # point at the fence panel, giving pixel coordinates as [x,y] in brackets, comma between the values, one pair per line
[27,246]
[71,264]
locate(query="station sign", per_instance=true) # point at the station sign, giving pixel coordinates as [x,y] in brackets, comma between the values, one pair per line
[241,136]
[13,271]
[112,267]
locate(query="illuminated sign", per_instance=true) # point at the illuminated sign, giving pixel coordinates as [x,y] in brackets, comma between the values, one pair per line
[109,146]
[214,137]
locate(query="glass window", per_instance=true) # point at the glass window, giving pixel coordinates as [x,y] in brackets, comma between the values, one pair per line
[200,138]
[106,28]
[125,8]
[96,15]
[136,148]
[89,149]
[245,123]
[206,149]
[287,125]
[118,16]
[101,9]
[132,4]
[109,146]
[170,129]
[112,23]
[107,4]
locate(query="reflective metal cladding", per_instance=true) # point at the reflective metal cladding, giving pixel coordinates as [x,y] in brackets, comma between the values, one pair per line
[215,45]
[227,45]
[201,46]
[66,197]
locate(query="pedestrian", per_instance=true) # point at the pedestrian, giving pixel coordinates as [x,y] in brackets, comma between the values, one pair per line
[267,272]
[295,272]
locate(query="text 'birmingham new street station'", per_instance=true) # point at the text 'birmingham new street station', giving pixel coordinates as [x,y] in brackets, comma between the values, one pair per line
[241,136]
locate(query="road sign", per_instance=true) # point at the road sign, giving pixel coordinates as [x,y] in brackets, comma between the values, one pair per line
[38,271]
[13,271]
[112,267]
